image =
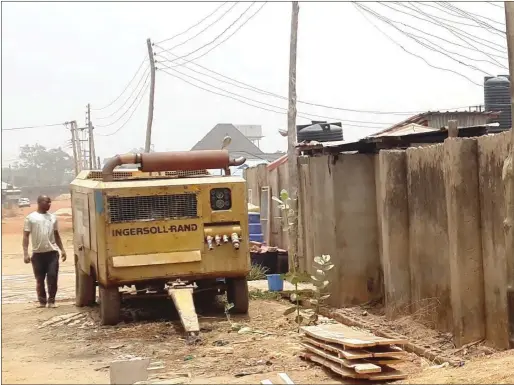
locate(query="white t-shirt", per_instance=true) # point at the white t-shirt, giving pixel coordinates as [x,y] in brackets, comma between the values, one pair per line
[41,228]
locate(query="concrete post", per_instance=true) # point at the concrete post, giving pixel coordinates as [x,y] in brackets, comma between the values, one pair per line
[464,239]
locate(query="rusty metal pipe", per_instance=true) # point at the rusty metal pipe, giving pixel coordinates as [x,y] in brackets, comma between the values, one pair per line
[173,161]
[184,160]
[118,160]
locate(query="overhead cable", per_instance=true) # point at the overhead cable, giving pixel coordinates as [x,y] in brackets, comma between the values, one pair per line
[125,89]
[129,118]
[129,97]
[128,109]
[205,29]
[218,36]
[362,8]
[194,25]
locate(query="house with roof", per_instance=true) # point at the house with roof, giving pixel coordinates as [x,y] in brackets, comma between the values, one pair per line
[436,120]
[240,146]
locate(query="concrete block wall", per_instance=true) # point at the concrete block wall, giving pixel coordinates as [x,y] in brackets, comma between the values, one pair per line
[464,239]
[393,215]
[492,151]
[430,219]
[428,236]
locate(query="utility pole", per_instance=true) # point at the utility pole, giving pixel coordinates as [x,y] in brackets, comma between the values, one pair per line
[152,92]
[292,159]
[508,178]
[74,141]
[92,157]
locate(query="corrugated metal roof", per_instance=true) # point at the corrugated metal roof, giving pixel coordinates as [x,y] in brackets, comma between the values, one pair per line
[412,128]
[419,118]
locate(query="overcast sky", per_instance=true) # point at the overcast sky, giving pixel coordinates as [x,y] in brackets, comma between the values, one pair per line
[57,57]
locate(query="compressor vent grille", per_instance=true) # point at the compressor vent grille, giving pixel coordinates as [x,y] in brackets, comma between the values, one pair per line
[152,208]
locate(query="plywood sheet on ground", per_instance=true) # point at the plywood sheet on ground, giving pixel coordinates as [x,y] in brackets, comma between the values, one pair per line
[377,355]
[387,373]
[345,335]
[359,367]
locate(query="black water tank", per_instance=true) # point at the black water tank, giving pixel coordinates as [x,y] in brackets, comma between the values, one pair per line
[497,98]
[320,132]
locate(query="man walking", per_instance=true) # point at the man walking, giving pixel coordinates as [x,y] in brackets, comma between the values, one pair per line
[41,226]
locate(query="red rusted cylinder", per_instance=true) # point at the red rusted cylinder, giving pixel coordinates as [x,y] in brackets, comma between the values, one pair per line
[184,160]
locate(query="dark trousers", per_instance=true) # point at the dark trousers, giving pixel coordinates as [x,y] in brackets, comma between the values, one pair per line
[46,265]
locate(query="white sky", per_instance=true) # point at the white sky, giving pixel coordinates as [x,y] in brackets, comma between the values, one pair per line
[57,57]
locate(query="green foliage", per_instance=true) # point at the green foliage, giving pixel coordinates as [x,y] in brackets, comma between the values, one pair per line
[39,166]
[256,273]
[322,265]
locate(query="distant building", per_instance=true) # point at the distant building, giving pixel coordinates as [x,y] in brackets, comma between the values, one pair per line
[240,146]
[10,194]
[436,120]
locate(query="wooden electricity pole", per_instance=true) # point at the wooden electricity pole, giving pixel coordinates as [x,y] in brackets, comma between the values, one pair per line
[152,92]
[292,159]
[508,177]
[92,156]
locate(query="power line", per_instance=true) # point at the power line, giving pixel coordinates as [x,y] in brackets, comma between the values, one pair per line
[217,37]
[470,15]
[205,29]
[122,92]
[461,37]
[221,42]
[441,24]
[270,105]
[122,115]
[129,97]
[494,4]
[38,126]
[414,37]
[250,87]
[195,25]
[130,116]
[361,8]
[449,41]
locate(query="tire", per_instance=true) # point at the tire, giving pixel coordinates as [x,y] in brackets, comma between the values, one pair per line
[85,289]
[110,305]
[237,294]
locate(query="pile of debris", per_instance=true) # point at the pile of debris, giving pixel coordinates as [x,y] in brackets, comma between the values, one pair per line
[353,353]
[262,248]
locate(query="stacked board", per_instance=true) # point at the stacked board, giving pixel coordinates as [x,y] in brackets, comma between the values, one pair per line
[353,353]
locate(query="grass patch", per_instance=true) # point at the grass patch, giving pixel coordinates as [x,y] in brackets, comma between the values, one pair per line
[267,295]
[256,273]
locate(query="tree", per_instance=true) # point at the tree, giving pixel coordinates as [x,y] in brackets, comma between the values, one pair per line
[39,166]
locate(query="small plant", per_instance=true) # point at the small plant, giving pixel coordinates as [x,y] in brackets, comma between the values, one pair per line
[228,307]
[256,273]
[321,266]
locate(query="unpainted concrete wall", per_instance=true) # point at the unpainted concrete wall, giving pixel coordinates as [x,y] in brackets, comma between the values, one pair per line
[394,219]
[357,246]
[428,235]
[492,151]
[464,239]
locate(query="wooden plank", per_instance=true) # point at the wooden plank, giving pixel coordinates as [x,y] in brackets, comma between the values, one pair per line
[357,366]
[349,354]
[284,377]
[378,354]
[344,335]
[386,374]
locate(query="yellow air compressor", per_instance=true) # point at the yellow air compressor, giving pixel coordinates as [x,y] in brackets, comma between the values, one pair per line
[167,227]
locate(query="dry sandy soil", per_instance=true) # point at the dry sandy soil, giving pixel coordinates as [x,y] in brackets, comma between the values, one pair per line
[80,351]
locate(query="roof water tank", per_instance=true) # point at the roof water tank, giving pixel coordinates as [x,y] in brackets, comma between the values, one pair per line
[320,132]
[497,98]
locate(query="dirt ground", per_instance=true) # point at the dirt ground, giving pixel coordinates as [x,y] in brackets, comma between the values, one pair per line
[40,347]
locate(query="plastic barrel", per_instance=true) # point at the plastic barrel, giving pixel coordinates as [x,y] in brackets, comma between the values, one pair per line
[257,238]
[275,282]
[254,218]
[254,228]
